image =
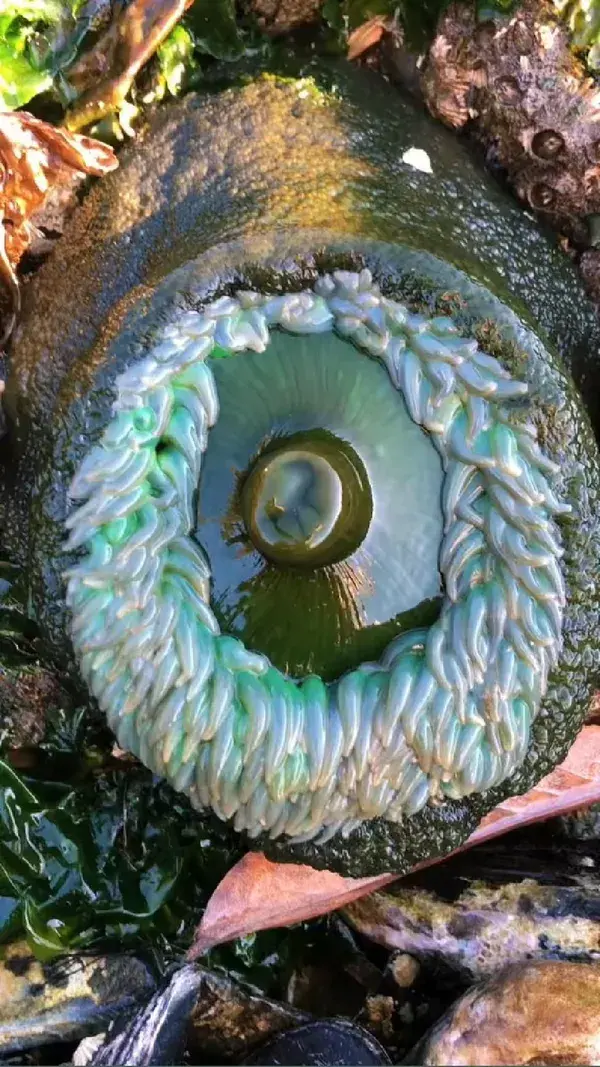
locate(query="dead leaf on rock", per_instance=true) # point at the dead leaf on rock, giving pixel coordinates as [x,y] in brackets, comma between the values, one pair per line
[257,894]
[103,76]
[35,158]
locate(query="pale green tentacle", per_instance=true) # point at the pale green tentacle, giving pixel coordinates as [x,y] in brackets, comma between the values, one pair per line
[445,713]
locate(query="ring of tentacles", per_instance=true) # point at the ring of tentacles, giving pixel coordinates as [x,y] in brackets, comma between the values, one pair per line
[446,712]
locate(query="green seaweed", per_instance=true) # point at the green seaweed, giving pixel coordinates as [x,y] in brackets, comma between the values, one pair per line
[39,39]
[100,855]
[96,855]
[583,20]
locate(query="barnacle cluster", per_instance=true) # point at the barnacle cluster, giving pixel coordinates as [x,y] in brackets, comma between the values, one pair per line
[447,710]
[529,100]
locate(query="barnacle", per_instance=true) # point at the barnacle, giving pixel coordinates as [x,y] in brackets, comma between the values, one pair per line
[309,510]
[528,99]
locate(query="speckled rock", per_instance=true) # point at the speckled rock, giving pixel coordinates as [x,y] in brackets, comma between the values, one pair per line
[537,1013]
[229,1020]
[486,927]
[63,1001]
[282,16]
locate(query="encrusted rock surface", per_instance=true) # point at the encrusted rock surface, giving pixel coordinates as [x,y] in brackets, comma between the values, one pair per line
[538,1013]
[229,1020]
[486,927]
[282,16]
[517,85]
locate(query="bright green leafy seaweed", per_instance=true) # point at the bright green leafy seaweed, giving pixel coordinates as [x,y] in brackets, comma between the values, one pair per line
[39,39]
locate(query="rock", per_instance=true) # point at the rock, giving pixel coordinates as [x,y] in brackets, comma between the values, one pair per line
[41,1004]
[26,698]
[322,1044]
[229,1020]
[156,1033]
[196,1010]
[277,17]
[378,1016]
[404,969]
[529,100]
[544,1013]
[486,927]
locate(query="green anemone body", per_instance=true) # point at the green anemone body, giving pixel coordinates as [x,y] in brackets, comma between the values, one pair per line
[289,182]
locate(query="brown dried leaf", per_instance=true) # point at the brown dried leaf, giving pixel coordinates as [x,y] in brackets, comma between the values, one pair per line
[257,894]
[367,35]
[35,157]
[103,76]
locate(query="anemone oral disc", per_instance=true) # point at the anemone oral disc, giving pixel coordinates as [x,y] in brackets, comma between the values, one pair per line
[446,712]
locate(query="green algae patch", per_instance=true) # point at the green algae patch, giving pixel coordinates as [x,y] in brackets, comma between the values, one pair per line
[272,189]
[96,853]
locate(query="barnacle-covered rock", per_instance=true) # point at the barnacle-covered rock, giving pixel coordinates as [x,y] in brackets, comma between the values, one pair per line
[529,99]
[304,491]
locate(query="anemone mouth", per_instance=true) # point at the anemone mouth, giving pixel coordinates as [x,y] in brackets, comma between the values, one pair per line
[307,500]
[446,711]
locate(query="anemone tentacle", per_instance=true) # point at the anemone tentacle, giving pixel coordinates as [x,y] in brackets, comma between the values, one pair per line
[446,712]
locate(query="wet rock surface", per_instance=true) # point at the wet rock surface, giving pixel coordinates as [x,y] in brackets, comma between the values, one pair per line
[277,17]
[156,1033]
[530,896]
[476,933]
[43,1004]
[542,1013]
[228,1020]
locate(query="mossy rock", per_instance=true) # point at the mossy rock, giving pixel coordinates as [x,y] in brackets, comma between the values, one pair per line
[268,188]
